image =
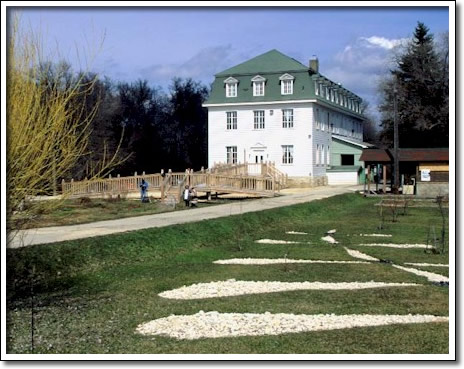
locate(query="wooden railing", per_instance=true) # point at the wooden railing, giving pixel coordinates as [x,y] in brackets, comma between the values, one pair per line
[268,183]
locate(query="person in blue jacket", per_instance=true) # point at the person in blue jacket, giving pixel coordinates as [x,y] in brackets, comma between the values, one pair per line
[143,191]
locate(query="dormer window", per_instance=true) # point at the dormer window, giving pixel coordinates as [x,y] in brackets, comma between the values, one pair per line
[258,85]
[286,82]
[231,87]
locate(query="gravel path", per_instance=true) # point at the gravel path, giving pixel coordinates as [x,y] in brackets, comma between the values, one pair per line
[432,277]
[232,287]
[213,324]
[277,242]
[428,264]
[397,245]
[376,235]
[359,255]
[252,261]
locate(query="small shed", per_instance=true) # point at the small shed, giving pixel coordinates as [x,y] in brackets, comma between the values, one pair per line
[423,171]
[345,166]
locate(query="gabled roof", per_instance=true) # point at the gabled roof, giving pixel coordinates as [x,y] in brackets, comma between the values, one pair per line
[271,62]
[364,145]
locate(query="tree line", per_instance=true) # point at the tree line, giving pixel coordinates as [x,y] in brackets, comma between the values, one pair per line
[149,129]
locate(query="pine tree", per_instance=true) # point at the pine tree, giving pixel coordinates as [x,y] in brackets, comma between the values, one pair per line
[420,81]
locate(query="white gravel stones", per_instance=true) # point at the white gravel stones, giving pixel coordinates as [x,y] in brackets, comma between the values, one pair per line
[332,231]
[232,287]
[213,324]
[295,232]
[375,235]
[432,277]
[397,245]
[359,255]
[252,261]
[329,239]
[428,264]
[276,242]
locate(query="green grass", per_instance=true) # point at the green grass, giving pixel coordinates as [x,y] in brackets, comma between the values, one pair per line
[86,210]
[91,294]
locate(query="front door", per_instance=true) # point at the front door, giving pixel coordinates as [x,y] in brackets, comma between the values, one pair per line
[259,158]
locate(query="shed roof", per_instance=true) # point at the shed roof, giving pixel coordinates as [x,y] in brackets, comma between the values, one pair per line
[406,155]
[376,155]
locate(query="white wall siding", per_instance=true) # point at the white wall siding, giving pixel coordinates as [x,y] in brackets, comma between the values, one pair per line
[342,178]
[320,137]
[272,137]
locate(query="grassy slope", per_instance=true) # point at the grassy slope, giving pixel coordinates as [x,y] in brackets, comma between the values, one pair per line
[92,293]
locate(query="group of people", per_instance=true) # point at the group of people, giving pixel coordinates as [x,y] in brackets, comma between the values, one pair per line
[190,196]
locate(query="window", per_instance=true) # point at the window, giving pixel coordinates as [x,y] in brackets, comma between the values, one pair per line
[231,119]
[323,159]
[258,88]
[317,155]
[231,87]
[231,154]
[286,84]
[347,159]
[231,90]
[258,119]
[287,118]
[258,85]
[317,119]
[316,88]
[287,154]
[328,155]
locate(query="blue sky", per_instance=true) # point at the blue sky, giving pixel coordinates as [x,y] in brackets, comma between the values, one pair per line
[354,45]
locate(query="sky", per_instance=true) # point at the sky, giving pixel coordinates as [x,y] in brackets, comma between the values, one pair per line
[354,45]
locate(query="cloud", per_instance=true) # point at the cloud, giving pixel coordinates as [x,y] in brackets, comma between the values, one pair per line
[361,65]
[385,43]
[201,66]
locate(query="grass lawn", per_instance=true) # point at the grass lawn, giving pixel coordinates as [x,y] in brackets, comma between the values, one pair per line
[86,210]
[91,294]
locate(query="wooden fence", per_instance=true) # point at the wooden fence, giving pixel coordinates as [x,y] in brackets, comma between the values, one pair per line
[170,182]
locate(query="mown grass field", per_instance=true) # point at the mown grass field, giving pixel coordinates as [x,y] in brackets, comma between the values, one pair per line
[85,210]
[90,294]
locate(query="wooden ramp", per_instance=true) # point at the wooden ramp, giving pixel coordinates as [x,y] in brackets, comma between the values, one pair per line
[231,178]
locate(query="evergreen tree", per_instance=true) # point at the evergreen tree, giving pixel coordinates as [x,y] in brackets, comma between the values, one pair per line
[420,85]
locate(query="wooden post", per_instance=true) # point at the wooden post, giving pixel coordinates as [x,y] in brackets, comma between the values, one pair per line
[369,179]
[143,173]
[384,179]
[377,178]
[162,184]
[62,185]
[135,174]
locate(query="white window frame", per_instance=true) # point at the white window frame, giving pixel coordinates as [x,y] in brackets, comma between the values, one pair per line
[231,119]
[287,154]
[231,87]
[231,154]
[259,120]
[317,118]
[287,118]
[317,154]
[328,155]
[324,160]
[259,84]
[286,84]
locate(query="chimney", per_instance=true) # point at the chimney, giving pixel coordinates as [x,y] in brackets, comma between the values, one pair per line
[314,64]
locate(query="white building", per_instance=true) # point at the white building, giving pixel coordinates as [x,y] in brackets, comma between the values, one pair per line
[273,108]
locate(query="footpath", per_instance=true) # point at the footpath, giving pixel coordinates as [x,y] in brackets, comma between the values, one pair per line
[66,233]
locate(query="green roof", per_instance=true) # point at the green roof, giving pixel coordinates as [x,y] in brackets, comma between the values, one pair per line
[271,65]
[272,61]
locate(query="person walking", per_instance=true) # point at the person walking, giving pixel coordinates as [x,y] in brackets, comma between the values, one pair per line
[186,196]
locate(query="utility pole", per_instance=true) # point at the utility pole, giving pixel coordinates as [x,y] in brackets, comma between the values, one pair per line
[396,175]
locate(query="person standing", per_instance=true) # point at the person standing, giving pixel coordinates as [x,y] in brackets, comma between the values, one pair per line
[186,196]
[143,191]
